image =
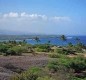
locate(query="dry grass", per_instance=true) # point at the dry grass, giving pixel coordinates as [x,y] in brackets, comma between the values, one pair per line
[20,62]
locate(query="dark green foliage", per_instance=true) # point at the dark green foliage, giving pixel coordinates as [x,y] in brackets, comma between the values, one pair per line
[63,37]
[4,48]
[37,39]
[64,51]
[43,47]
[31,74]
[16,50]
[78,64]
[45,78]
[54,55]
[53,66]
[79,47]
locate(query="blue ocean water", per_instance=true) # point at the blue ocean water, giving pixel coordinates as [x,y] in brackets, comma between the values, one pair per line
[57,41]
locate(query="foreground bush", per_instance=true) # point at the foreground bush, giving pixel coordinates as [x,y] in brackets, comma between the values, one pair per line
[42,48]
[34,73]
[76,64]
[16,50]
[54,55]
[31,74]
[64,51]
[53,66]
[4,48]
[45,78]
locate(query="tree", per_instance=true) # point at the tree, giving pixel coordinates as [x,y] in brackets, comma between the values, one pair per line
[37,39]
[63,38]
[49,42]
[24,41]
[77,40]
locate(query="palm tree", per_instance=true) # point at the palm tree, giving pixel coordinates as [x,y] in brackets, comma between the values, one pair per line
[24,41]
[49,42]
[37,39]
[63,38]
[77,40]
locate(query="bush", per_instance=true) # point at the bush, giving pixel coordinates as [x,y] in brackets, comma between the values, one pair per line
[53,66]
[16,50]
[42,47]
[54,55]
[61,71]
[75,78]
[78,64]
[40,50]
[3,48]
[62,51]
[45,78]
[31,74]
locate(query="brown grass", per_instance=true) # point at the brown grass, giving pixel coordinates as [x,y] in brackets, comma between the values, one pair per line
[20,62]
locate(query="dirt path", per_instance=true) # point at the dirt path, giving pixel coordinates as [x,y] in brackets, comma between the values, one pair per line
[9,64]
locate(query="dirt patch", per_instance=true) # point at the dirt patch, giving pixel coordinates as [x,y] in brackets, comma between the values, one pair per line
[9,64]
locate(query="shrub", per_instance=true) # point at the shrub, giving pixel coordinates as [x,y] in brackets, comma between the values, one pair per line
[78,64]
[40,50]
[76,78]
[3,48]
[54,55]
[42,47]
[62,51]
[53,66]
[45,78]
[16,50]
[31,74]
[61,70]
[79,47]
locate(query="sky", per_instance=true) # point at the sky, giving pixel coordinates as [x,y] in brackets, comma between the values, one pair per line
[43,16]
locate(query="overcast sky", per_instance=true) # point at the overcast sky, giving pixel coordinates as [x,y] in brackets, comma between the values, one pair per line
[43,16]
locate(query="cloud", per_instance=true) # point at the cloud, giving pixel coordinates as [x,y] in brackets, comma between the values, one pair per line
[30,22]
[60,19]
[25,16]
[11,14]
[33,16]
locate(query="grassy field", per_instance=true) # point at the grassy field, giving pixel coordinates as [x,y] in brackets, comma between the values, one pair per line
[22,61]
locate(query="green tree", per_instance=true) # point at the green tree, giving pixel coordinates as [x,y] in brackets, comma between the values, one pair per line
[63,38]
[77,40]
[24,41]
[37,39]
[49,42]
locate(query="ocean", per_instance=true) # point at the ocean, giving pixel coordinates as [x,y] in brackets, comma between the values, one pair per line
[57,41]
